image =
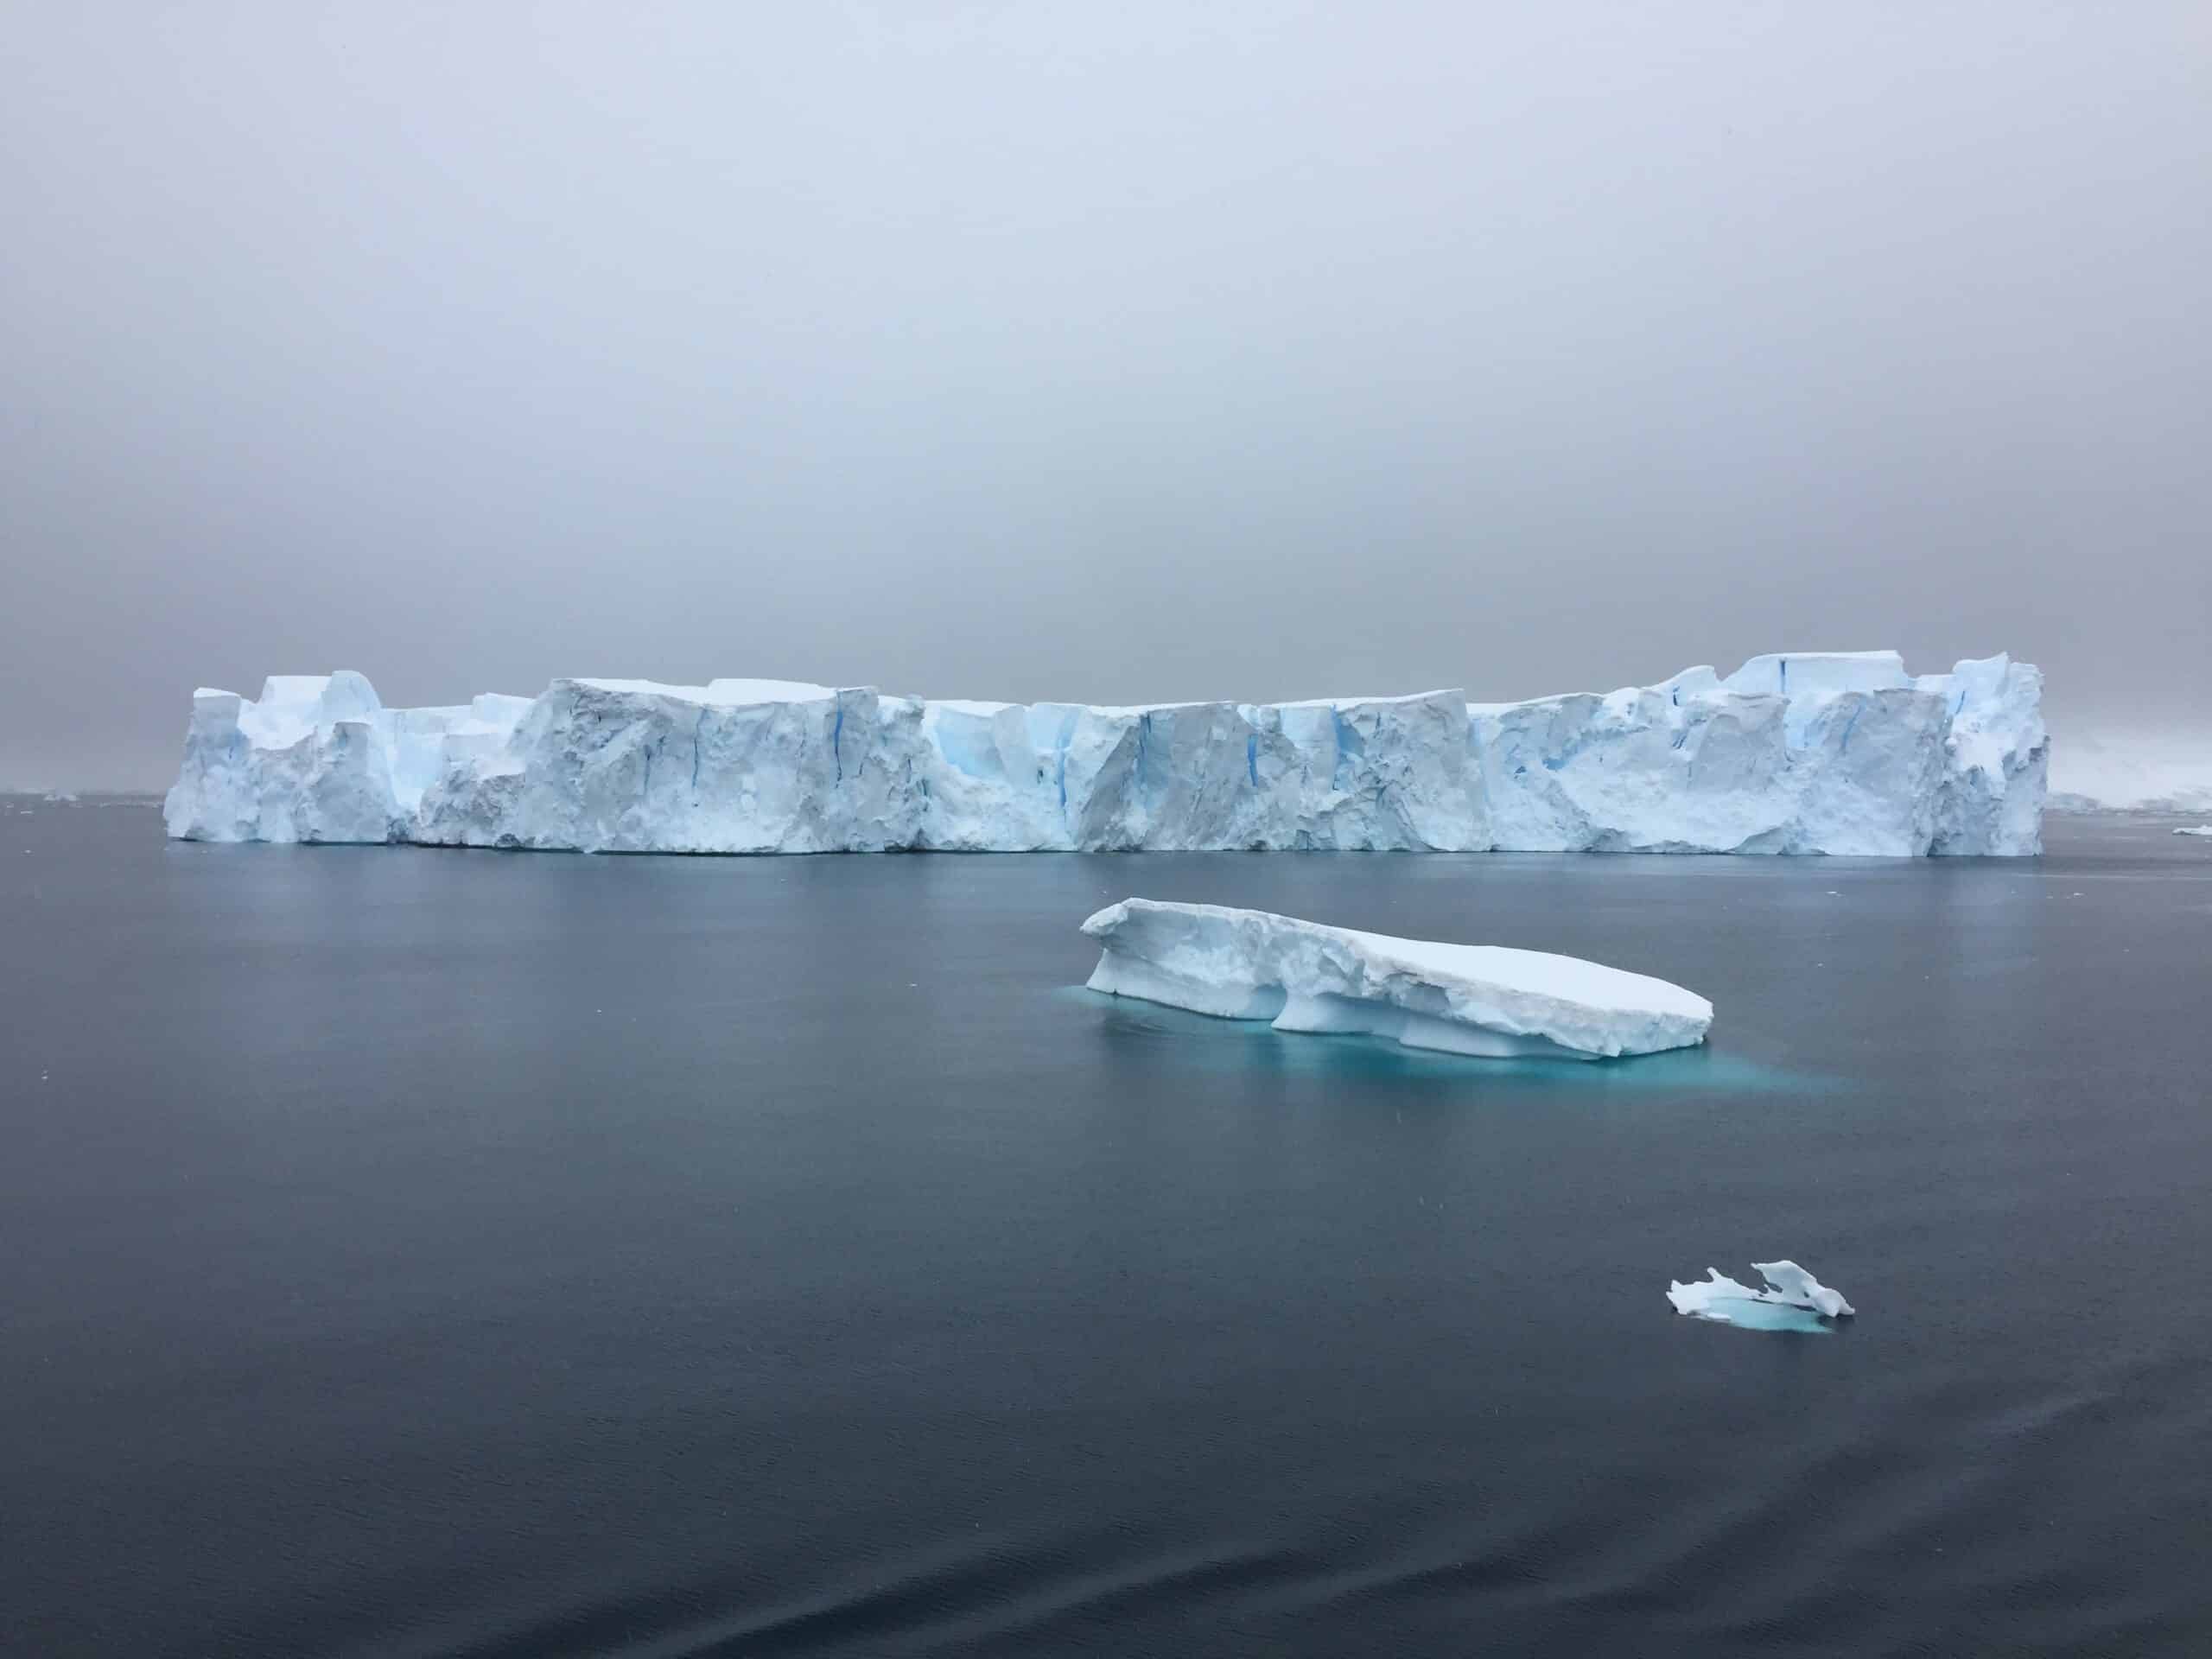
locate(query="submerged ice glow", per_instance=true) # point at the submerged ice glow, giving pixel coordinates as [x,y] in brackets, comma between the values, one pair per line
[1806,752]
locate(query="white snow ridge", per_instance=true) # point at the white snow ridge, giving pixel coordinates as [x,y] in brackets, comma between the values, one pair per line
[1464,999]
[1805,752]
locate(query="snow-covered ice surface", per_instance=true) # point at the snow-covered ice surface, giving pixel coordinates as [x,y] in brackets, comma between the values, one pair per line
[1795,753]
[1794,1300]
[1462,999]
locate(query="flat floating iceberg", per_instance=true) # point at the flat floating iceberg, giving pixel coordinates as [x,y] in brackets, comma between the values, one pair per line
[2195,829]
[1794,1300]
[1818,751]
[1462,999]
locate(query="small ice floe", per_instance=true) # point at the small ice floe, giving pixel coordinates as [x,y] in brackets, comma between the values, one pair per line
[2195,829]
[1794,1300]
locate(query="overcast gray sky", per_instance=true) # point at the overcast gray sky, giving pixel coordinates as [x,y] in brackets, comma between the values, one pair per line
[1107,352]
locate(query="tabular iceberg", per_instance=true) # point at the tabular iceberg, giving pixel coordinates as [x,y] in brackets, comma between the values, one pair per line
[1794,1301]
[1810,752]
[1464,999]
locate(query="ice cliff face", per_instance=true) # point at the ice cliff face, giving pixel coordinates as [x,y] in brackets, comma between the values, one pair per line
[1799,753]
[1807,753]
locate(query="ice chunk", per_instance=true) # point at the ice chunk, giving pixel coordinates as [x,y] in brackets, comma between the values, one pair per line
[1464,999]
[1790,1290]
[1794,1285]
[2195,829]
[1794,753]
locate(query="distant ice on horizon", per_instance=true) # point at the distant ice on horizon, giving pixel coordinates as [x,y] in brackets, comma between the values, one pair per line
[2141,771]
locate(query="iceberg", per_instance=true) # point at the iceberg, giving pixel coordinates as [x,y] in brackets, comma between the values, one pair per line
[1794,1300]
[1793,753]
[1838,752]
[2195,829]
[1462,999]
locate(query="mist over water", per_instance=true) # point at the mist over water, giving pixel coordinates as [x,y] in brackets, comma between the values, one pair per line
[1249,351]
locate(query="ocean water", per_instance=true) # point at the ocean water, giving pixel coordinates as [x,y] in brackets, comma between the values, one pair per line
[418,1253]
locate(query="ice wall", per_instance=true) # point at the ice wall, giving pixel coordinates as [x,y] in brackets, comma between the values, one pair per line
[1805,752]
[1798,753]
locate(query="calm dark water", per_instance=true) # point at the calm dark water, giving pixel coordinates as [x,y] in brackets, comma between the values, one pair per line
[424,1253]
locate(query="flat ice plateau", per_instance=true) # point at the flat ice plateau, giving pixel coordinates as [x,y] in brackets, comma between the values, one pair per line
[1795,753]
[1463,998]
[1795,1301]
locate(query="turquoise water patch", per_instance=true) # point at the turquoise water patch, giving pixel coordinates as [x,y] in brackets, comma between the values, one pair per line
[1204,1042]
[1766,1316]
